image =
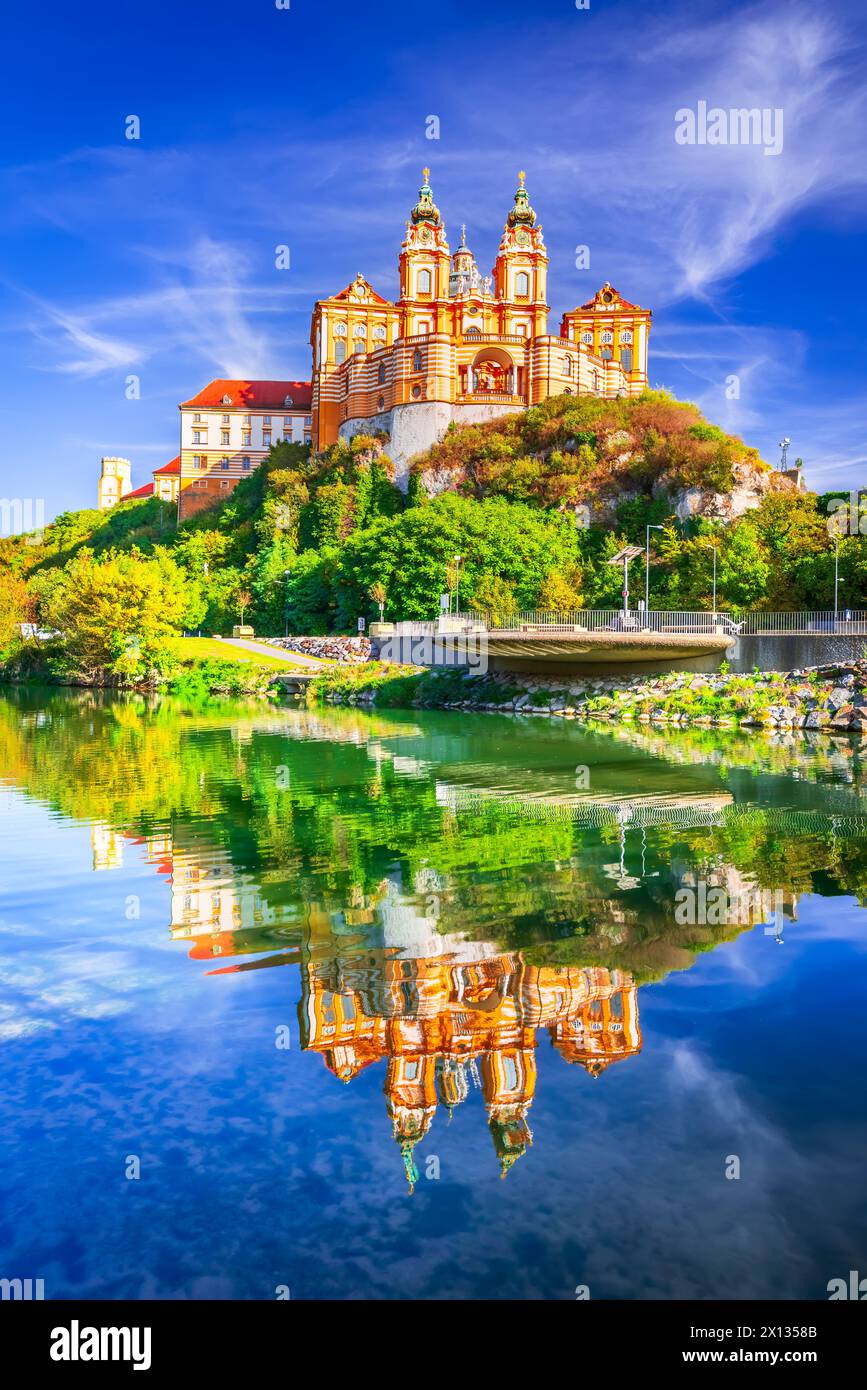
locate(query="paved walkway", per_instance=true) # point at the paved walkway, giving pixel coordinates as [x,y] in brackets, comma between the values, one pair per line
[264,649]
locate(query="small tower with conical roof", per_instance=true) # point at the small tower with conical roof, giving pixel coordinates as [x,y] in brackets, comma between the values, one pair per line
[465,272]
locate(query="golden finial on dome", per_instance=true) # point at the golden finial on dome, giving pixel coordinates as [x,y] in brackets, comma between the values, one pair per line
[425,173]
[521,177]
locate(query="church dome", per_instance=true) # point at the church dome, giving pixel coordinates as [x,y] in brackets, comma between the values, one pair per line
[521,214]
[426,209]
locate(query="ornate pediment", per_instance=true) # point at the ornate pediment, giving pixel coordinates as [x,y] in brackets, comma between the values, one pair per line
[361,292]
[606,299]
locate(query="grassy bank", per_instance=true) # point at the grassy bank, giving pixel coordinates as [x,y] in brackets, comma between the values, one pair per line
[199,649]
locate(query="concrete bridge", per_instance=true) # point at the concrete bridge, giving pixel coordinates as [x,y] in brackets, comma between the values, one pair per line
[591,642]
[625,641]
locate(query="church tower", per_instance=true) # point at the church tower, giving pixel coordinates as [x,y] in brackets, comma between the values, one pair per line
[521,271]
[115,481]
[424,269]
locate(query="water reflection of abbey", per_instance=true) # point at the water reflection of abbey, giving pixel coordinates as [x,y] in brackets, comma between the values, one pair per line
[380,983]
[446,1022]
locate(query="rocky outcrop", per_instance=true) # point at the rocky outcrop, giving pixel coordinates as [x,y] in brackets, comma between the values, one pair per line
[750,484]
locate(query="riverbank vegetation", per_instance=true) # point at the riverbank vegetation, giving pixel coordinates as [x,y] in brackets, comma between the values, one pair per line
[535,504]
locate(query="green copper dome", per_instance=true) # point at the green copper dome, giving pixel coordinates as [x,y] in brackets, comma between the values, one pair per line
[521,214]
[426,209]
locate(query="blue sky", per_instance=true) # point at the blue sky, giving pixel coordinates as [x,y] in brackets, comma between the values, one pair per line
[307,127]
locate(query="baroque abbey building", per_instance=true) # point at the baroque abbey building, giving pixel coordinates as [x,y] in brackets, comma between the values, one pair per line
[460,348]
[455,348]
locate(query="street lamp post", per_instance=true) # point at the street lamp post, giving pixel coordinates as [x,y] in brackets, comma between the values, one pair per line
[457,563]
[286,574]
[836,577]
[629,552]
[647,531]
[714,584]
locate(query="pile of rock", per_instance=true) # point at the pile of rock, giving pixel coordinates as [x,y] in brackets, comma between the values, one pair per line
[352,650]
[831,697]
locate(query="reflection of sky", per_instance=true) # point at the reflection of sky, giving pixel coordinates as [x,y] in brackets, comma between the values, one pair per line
[259,1169]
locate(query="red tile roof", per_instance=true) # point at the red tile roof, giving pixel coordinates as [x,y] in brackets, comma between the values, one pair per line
[260,395]
[145,491]
[173,466]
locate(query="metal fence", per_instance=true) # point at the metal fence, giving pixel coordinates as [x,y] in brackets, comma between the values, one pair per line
[595,620]
[851,621]
[848,621]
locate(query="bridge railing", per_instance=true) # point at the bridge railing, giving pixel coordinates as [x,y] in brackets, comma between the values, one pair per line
[847,621]
[597,620]
[852,621]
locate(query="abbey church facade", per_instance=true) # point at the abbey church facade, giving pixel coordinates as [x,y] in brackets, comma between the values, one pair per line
[460,348]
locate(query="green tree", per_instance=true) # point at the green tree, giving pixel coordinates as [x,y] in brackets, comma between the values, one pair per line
[116,613]
[15,604]
[743,570]
[493,595]
[560,592]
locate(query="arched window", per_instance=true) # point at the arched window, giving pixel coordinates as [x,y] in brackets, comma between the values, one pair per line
[473,332]
[626,336]
[587,338]
[245,464]
[567,366]
[416,361]
[339,352]
[359,346]
[606,337]
[381,374]
[626,359]
[381,403]
[606,354]
[522,283]
[424,282]
[224,463]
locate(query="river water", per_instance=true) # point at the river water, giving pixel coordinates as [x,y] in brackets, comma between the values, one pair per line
[338,1004]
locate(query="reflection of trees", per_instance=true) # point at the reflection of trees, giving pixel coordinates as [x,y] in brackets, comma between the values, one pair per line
[312,808]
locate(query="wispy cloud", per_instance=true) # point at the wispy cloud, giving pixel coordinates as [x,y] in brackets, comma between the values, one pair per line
[76,348]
